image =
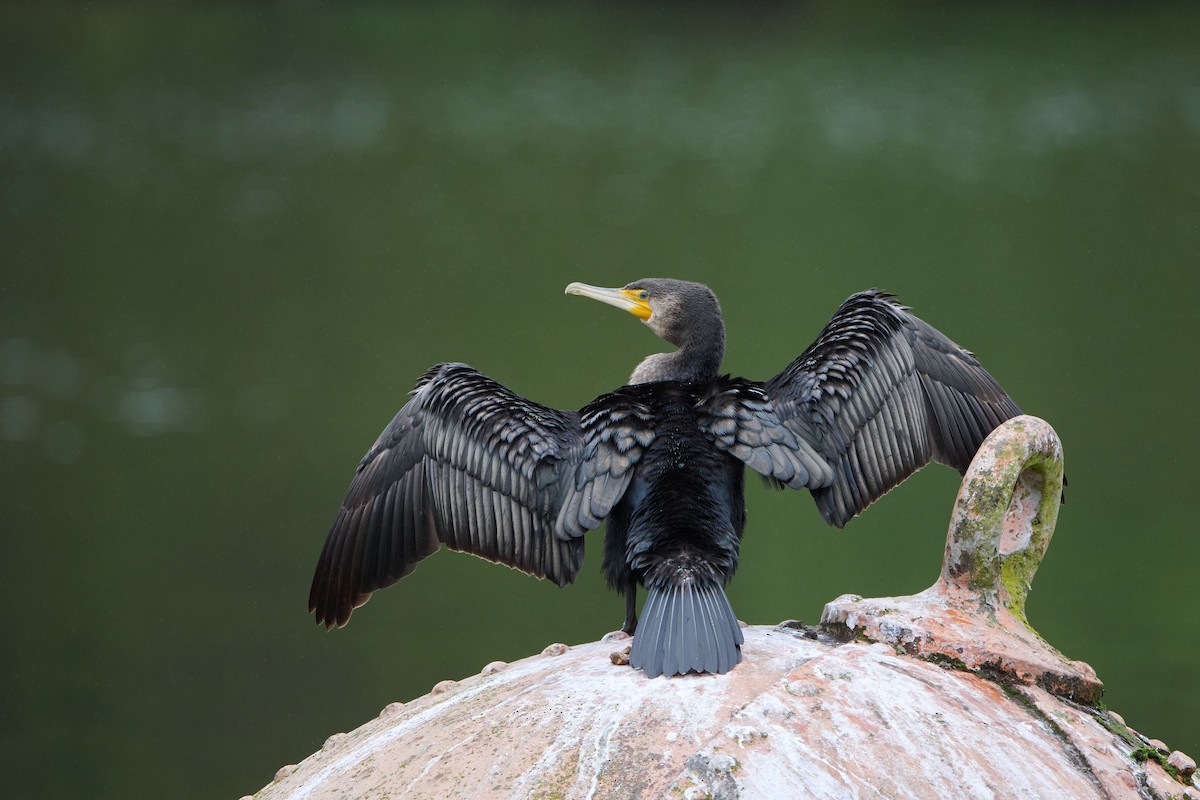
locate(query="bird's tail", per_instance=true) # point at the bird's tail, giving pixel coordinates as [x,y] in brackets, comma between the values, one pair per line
[687,626]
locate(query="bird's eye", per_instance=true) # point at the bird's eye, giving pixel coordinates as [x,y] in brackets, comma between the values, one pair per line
[643,294]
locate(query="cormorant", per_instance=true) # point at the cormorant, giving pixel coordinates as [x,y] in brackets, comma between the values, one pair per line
[470,464]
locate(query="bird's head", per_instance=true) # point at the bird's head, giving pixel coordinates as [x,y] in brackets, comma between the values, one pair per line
[681,312]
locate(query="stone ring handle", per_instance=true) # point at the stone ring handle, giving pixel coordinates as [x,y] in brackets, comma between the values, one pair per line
[1005,513]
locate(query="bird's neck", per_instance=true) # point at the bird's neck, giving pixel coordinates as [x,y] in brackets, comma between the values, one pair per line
[697,359]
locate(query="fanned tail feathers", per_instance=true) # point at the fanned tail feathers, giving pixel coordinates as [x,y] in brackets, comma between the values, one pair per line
[687,627]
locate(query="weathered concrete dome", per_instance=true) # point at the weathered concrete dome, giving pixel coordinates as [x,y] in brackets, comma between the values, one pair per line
[948,693]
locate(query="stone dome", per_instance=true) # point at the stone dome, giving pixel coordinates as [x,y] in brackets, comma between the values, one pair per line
[948,693]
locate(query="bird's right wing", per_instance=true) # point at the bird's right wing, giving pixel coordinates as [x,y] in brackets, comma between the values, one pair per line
[469,464]
[738,417]
[879,394]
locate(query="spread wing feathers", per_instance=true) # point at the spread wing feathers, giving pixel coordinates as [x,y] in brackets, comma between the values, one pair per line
[739,418]
[617,429]
[466,463]
[965,401]
[879,394]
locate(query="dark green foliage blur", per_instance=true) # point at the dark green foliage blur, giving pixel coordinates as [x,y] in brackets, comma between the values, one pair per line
[231,238]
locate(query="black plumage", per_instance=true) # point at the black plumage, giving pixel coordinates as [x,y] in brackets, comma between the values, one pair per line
[470,464]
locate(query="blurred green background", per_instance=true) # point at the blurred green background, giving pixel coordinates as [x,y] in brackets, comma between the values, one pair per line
[232,237]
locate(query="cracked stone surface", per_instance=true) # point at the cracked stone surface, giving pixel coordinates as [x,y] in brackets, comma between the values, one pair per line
[800,717]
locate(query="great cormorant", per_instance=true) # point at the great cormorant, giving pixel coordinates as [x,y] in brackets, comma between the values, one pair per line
[470,464]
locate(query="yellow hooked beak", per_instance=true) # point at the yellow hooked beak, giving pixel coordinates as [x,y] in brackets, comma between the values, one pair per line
[632,300]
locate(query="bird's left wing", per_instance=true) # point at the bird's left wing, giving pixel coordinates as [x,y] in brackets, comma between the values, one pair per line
[617,429]
[472,465]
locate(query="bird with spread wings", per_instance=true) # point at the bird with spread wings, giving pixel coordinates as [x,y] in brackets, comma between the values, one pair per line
[471,465]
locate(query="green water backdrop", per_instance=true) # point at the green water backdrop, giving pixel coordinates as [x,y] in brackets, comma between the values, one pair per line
[231,237]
